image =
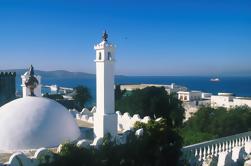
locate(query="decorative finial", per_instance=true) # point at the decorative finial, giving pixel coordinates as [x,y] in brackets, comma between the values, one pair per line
[105,36]
[31,71]
[32,81]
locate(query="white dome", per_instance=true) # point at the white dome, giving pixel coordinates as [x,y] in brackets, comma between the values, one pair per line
[34,122]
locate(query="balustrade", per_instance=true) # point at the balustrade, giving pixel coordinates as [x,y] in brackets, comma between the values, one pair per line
[198,153]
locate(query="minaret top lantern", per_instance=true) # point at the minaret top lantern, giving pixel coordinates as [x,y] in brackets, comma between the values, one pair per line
[105,118]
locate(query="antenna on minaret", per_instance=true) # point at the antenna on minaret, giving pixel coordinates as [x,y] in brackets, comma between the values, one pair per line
[105,36]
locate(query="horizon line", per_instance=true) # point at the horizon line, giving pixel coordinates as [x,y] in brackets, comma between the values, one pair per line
[141,75]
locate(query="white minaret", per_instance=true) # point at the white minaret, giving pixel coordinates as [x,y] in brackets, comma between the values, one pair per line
[26,90]
[105,118]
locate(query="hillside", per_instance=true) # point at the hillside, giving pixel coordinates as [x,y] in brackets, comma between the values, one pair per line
[57,74]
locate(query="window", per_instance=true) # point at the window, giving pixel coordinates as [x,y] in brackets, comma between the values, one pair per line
[99,56]
[109,57]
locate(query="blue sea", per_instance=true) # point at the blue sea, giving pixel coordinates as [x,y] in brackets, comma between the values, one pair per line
[240,86]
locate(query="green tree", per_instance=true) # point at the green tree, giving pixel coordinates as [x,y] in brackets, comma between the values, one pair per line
[209,123]
[81,95]
[53,96]
[118,92]
[153,102]
[158,146]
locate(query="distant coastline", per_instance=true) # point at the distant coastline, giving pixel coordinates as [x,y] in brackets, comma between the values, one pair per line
[64,74]
[239,85]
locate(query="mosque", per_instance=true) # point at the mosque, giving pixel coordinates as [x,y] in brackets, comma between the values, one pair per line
[32,122]
[36,123]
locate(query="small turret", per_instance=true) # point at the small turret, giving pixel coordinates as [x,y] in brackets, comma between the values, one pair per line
[31,83]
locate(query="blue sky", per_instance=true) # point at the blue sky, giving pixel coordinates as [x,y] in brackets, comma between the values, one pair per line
[171,37]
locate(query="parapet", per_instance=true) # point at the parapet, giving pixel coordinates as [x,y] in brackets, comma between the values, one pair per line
[7,74]
[102,45]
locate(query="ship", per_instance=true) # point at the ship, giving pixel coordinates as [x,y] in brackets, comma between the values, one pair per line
[215,80]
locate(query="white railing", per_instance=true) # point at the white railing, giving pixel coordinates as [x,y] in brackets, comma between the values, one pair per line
[198,153]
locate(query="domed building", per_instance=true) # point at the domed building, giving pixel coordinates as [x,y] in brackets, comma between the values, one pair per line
[34,122]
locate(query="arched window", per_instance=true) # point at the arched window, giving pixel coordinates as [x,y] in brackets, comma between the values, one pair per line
[109,57]
[99,56]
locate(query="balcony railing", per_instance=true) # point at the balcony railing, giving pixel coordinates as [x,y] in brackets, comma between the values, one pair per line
[198,153]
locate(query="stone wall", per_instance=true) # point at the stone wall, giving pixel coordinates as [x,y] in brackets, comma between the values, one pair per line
[125,121]
[7,87]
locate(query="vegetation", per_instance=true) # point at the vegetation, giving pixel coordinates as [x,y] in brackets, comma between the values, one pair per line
[153,102]
[82,95]
[118,92]
[54,96]
[161,138]
[209,123]
[151,149]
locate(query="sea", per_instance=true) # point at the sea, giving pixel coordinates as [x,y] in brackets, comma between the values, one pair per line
[240,86]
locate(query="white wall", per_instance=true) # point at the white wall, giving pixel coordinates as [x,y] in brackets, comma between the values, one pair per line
[229,101]
[124,122]
[242,101]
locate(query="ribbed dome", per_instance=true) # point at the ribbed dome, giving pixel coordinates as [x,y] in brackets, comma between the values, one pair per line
[34,122]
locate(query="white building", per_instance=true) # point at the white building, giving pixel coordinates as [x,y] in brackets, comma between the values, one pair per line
[206,95]
[228,100]
[222,100]
[173,88]
[189,95]
[26,90]
[240,101]
[105,118]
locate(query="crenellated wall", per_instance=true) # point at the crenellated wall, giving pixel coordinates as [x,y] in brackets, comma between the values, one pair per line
[7,87]
[125,121]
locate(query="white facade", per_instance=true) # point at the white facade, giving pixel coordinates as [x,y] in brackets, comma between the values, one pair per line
[105,118]
[26,91]
[222,100]
[228,100]
[240,101]
[189,95]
